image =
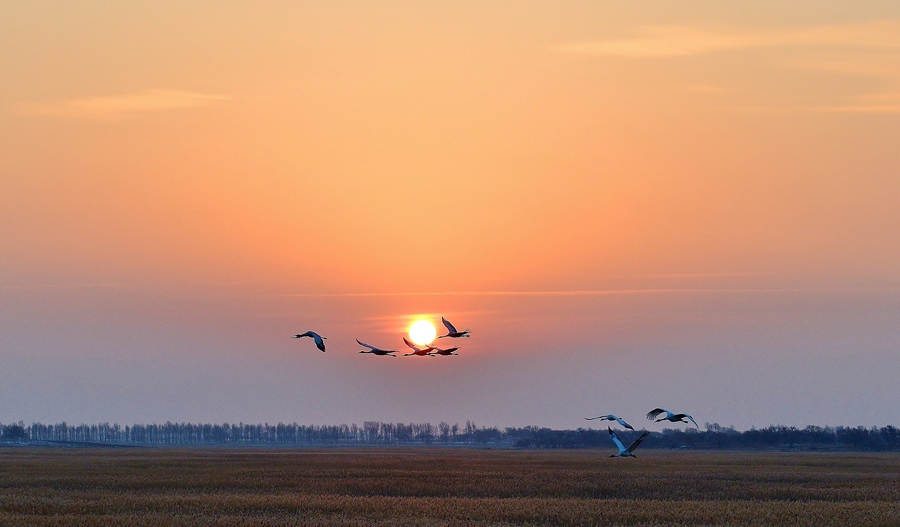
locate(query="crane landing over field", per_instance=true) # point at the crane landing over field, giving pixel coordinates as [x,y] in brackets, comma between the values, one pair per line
[611,417]
[452,332]
[319,340]
[675,418]
[376,351]
[626,452]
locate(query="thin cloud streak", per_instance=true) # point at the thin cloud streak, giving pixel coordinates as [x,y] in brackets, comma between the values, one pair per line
[862,67]
[859,108]
[36,287]
[735,274]
[678,41]
[582,292]
[883,103]
[119,106]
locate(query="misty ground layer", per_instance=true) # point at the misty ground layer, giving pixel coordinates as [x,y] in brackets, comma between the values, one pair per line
[430,487]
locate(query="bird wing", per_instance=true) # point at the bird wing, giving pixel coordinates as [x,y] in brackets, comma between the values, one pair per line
[411,345]
[448,325]
[692,420]
[623,423]
[363,344]
[615,439]
[319,342]
[637,441]
[652,414]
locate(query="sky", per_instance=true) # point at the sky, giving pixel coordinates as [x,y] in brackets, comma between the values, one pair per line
[691,205]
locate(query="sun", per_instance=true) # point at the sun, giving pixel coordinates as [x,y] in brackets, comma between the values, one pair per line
[422,332]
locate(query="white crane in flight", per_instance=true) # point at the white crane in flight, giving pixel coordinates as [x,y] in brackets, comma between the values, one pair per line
[452,332]
[674,418]
[319,339]
[421,352]
[611,417]
[376,351]
[446,352]
[626,452]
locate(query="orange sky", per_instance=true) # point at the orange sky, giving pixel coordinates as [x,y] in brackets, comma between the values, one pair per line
[163,154]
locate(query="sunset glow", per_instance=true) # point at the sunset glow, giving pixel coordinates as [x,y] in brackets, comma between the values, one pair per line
[612,196]
[422,332]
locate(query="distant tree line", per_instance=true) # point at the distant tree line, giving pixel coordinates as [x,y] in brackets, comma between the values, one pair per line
[370,433]
[717,437]
[374,433]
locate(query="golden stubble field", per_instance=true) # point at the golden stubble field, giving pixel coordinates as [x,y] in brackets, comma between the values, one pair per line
[432,487]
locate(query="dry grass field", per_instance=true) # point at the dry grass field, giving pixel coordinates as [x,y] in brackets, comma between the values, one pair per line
[433,487]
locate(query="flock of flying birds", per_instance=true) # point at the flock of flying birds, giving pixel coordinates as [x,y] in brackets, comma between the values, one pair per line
[654,415]
[421,351]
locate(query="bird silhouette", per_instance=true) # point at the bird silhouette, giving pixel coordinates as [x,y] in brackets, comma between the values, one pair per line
[421,352]
[319,340]
[611,417]
[376,351]
[675,418]
[452,331]
[445,352]
[626,452]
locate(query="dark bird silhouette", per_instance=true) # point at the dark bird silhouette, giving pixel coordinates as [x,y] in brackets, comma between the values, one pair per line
[611,417]
[376,351]
[421,352]
[675,418]
[452,331]
[319,340]
[626,452]
[445,352]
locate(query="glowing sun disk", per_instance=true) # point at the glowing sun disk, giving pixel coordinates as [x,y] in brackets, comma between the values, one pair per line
[422,332]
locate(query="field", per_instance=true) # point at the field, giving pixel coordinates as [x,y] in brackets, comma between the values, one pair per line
[431,487]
